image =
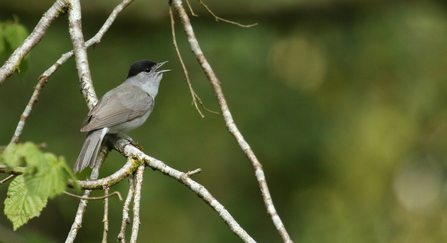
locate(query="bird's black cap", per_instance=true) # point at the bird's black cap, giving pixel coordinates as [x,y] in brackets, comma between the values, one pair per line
[140,66]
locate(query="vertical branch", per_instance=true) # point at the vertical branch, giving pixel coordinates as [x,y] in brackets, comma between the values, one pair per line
[105,219]
[126,206]
[77,38]
[77,224]
[136,203]
[36,35]
[80,51]
[231,125]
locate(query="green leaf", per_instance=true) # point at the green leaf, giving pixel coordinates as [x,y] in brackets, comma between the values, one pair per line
[12,156]
[45,176]
[34,158]
[20,206]
[48,182]
[14,34]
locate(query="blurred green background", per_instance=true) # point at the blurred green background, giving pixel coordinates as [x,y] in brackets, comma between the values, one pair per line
[344,103]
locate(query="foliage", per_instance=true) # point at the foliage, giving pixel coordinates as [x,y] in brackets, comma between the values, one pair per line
[12,34]
[44,177]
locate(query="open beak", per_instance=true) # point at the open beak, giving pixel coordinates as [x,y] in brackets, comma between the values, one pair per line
[161,64]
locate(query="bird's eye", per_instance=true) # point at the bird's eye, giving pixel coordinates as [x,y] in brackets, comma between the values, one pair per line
[147,70]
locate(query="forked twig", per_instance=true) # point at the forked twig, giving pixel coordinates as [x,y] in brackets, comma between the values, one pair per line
[217,18]
[231,125]
[194,95]
[190,9]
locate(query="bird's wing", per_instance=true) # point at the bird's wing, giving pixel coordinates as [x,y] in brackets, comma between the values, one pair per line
[128,103]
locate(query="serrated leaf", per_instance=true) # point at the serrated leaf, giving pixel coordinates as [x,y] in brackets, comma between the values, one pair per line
[34,158]
[20,206]
[48,182]
[12,156]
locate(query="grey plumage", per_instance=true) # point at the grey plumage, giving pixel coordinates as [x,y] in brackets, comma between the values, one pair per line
[120,110]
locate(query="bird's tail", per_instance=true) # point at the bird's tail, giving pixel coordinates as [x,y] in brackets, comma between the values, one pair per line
[90,149]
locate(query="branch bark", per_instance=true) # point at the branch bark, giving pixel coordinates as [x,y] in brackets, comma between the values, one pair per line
[43,79]
[136,203]
[10,66]
[139,159]
[231,125]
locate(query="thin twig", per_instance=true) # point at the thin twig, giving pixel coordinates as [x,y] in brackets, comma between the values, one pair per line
[12,171]
[28,108]
[190,9]
[231,125]
[11,65]
[217,18]
[105,219]
[126,208]
[194,95]
[136,203]
[193,172]
[7,179]
[96,198]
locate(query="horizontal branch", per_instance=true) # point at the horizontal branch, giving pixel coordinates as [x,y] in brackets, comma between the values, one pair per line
[140,158]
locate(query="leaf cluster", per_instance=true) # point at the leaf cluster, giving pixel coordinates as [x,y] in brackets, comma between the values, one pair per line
[45,176]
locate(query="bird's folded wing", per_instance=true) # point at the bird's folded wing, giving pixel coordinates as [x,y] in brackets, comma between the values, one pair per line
[122,104]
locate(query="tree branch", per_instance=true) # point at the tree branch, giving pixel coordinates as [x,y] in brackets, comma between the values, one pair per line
[231,125]
[126,206]
[77,224]
[105,219]
[80,52]
[194,95]
[136,203]
[43,79]
[117,193]
[131,151]
[137,158]
[217,18]
[36,35]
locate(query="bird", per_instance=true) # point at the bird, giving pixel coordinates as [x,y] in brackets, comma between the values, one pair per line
[121,109]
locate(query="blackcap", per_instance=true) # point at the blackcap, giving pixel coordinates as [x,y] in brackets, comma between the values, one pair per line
[120,110]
